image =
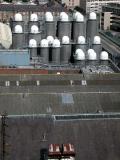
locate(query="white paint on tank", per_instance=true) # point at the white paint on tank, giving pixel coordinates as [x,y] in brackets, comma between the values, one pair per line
[79,54]
[65,40]
[44,43]
[75,14]
[104,55]
[18,17]
[79,18]
[81,40]
[92,54]
[48,16]
[97,40]
[34,29]
[18,29]
[64,17]
[32,43]
[92,16]
[50,39]
[56,43]
[34,17]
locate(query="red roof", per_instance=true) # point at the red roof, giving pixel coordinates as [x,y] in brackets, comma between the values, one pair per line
[54,149]
[68,149]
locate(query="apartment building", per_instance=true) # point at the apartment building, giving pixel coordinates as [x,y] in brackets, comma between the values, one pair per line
[110,17]
[95,5]
[71,3]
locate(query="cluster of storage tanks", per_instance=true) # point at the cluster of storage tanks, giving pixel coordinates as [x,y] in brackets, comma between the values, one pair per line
[65,39]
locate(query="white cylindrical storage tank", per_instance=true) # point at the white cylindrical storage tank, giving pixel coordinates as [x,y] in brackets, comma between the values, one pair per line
[18,17]
[33,17]
[104,58]
[50,40]
[81,44]
[56,52]
[34,29]
[44,51]
[50,25]
[92,27]
[18,37]
[97,47]
[65,54]
[78,27]
[64,26]
[18,20]
[35,34]
[79,57]
[33,48]
[33,20]
[92,57]
[75,14]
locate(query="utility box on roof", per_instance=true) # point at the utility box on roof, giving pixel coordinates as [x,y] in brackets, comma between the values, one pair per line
[54,149]
[68,149]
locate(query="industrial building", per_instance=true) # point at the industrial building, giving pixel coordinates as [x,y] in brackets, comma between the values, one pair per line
[95,5]
[60,90]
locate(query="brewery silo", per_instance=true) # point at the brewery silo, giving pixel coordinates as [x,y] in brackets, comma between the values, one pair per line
[44,51]
[56,52]
[78,26]
[50,25]
[33,48]
[64,26]
[65,54]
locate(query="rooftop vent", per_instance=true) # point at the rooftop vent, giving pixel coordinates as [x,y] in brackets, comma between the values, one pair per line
[18,29]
